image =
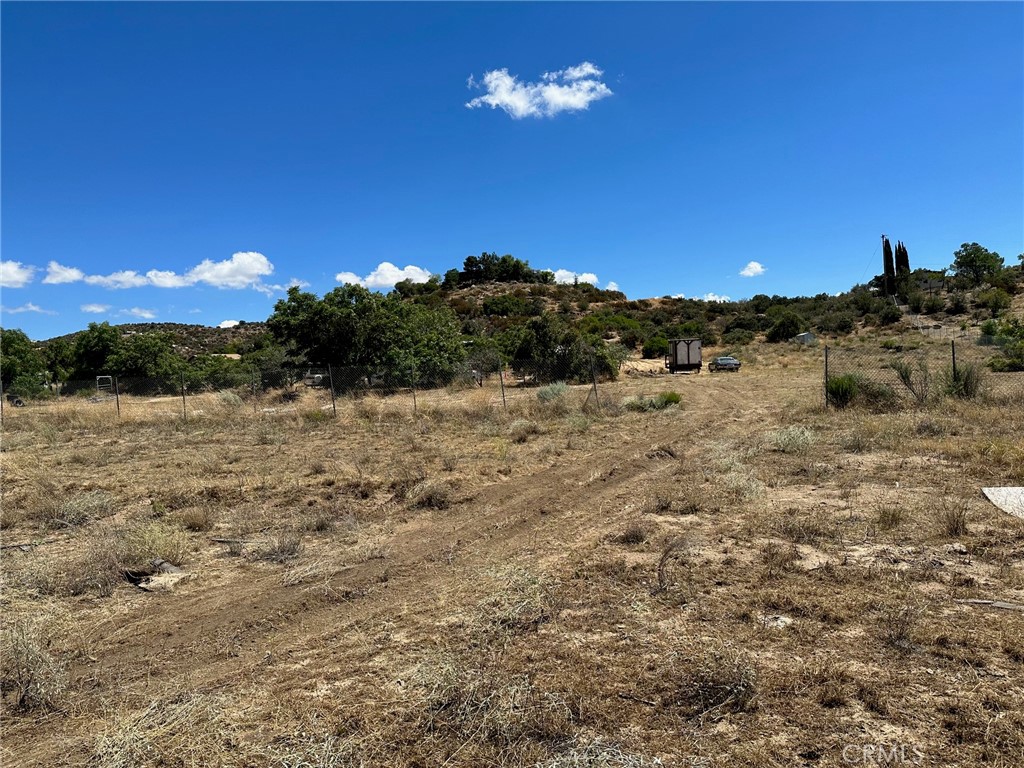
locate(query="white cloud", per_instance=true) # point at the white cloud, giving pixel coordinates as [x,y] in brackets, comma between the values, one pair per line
[166,279]
[96,309]
[127,278]
[715,297]
[58,273]
[28,307]
[14,274]
[753,269]
[350,278]
[612,286]
[244,269]
[566,90]
[145,314]
[385,276]
[567,276]
[195,311]
[678,295]
[227,323]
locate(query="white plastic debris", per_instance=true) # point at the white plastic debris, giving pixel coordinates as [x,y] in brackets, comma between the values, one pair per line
[1008,499]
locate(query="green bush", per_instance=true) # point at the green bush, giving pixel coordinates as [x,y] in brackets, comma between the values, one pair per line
[889,314]
[658,403]
[654,347]
[957,304]
[737,337]
[552,392]
[841,390]
[933,304]
[965,381]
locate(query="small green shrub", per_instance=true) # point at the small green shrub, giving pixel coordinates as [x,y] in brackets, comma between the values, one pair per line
[841,390]
[552,392]
[965,381]
[229,398]
[658,403]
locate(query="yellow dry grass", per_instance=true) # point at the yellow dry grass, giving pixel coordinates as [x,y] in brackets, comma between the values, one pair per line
[744,579]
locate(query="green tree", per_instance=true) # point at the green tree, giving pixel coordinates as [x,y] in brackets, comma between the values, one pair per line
[785,328]
[21,364]
[60,359]
[93,348]
[352,326]
[889,267]
[145,355]
[995,300]
[973,264]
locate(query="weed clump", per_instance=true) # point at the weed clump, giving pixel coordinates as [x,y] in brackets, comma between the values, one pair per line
[792,440]
[657,403]
[34,676]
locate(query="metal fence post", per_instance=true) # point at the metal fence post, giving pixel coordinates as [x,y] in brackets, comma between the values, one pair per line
[117,398]
[501,381]
[952,346]
[412,375]
[184,403]
[330,379]
[593,376]
[826,377]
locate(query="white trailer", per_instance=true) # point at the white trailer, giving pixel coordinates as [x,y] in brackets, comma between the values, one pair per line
[683,355]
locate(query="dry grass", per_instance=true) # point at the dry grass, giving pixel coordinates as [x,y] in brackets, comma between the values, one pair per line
[470,586]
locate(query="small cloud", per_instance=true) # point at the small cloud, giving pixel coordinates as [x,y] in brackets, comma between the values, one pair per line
[678,295]
[28,307]
[95,309]
[242,270]
[385,276]
[196,311]
[14,274]
[567,90]
[166,279]
[753,269]
[227,323]
[58,273]
[144,314]
[715,297]
[567,277]
[612,286]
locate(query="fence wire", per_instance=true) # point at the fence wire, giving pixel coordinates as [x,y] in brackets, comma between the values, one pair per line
[481,384]
[902,372]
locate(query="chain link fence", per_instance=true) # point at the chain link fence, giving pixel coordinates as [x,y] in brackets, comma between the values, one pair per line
[482,384]
[902,372]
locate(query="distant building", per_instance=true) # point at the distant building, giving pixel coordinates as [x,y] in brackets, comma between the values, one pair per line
[807,338]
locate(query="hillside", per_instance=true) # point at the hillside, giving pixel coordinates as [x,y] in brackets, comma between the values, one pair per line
[189,339]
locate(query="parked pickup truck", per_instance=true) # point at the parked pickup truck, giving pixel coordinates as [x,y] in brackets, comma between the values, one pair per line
[724,364]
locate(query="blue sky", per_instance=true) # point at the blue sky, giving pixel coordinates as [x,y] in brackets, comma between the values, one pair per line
[186,162]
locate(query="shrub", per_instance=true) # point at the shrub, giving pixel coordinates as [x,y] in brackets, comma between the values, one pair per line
[889,314]
[957,304]
[737,337]
[282,548]
[656,346]
[916,302]
[792,439]
[840,391]
[229,398]
[135,545]
[35,676]
[965,381]
[659,403]
[917,380]
[552,392]
[933,304]
[81,509]
[522,429]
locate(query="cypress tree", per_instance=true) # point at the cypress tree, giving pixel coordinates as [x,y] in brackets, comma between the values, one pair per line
[902,259]
[889,267]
